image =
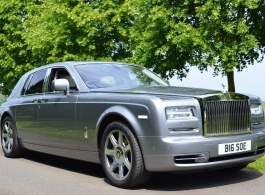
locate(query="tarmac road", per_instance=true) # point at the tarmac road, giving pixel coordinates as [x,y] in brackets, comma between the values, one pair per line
[37,174]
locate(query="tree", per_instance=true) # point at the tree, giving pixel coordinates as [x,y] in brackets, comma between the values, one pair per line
[2,99]
[168,35]
[15,57]
[37,32]
[66,30]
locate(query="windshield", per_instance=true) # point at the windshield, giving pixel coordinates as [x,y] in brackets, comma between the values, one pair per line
[106,75]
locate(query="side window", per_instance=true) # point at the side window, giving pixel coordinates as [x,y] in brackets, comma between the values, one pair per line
[61,73]
[36,83]
[26,84]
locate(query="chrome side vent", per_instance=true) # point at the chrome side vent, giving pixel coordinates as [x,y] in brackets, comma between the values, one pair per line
[260,150]
[227,117]
[193,158]
[257,120]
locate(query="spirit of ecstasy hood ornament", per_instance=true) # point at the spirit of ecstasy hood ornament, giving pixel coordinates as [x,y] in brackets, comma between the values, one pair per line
[223,88]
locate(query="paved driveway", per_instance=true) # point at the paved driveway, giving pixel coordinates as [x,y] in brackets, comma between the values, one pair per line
[45,174]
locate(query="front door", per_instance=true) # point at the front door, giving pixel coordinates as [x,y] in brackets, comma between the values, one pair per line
[57,120]
[57,113]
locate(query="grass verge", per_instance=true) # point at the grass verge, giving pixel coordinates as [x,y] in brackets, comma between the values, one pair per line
[258,165]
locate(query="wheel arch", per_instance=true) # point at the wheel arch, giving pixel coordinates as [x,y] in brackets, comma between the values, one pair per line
[7,114]
[140,175]
[17,147]
[118,113]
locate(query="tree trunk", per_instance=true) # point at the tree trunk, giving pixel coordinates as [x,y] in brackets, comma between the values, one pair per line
[230,81]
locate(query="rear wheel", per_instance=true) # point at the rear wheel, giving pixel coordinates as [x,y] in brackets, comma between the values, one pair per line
[9,140]
[121,157]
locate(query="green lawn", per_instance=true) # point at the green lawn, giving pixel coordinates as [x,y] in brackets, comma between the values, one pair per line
[258,165]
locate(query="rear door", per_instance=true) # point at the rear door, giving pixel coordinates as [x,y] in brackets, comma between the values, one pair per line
[27,108]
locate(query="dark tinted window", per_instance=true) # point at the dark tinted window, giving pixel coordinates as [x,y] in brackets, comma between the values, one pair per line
[36,83]
[26,84]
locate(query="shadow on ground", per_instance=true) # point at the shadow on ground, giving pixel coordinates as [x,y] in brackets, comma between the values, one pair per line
[78,166]
[193,181]
[158,181]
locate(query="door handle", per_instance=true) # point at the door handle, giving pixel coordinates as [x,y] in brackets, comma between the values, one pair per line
[43,100]
[40,100]
[35,101]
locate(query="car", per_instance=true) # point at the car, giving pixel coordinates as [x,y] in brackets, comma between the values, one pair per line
[131,121]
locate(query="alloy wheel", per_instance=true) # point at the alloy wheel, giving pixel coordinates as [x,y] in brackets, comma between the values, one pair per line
[118,155]
[7,137]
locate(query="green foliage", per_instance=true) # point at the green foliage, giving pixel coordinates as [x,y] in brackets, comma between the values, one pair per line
[77,30]
[37,32]
[2,98]
[166,36]
[15,57]
[156,35]
[170,35]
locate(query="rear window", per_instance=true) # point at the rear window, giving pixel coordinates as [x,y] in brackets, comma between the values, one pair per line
[34,83]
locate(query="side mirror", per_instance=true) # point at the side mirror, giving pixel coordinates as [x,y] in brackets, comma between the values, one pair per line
[61,85]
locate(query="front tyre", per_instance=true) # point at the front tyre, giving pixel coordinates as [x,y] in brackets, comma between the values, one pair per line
[121,157]
[9,140]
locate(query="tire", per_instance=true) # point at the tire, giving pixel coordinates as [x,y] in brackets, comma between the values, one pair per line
[121,157]
[9,139]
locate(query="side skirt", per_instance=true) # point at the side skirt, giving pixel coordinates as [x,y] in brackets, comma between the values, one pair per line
[75,154]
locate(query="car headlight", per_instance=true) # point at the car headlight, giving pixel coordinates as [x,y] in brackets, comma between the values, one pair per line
[256,109]
[174,113]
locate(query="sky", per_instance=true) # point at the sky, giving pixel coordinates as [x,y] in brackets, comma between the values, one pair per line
[251,80]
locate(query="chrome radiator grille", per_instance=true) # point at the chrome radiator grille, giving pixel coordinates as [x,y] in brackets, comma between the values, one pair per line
[226,117]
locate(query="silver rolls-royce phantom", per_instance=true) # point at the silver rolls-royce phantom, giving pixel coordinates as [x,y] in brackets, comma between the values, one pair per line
[130,120]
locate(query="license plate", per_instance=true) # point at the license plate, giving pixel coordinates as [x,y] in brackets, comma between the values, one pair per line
[234,147]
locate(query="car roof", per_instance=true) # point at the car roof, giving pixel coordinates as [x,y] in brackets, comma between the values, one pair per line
[72,63]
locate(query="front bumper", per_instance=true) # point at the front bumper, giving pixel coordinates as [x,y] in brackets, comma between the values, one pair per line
[185,154]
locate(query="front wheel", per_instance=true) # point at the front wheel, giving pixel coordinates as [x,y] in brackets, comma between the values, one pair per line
[9,140]
[121,157]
